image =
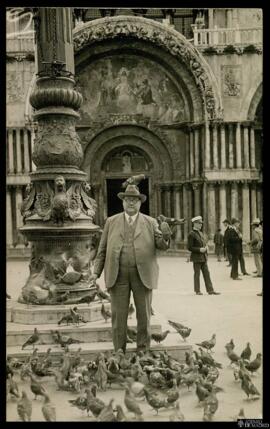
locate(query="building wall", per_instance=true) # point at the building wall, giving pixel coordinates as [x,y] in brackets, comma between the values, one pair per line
[226,184]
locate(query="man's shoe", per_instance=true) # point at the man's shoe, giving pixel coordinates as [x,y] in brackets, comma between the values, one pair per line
[199,293]
[229,265]
[257,275]
[259,294]
[213,293]
[246,274]
[254,272]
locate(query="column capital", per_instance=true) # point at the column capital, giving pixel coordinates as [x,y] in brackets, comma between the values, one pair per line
[246,123]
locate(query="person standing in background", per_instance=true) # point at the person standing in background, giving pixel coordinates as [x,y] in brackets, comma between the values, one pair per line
[256,244]
[235,248]
[218,240]
[227,255]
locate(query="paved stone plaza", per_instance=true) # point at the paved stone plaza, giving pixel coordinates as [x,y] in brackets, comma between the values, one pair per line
[236,313]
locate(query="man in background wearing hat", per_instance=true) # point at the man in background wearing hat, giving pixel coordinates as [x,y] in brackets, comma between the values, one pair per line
[127,252]
[256,244]
[197,247]
[227,225]
[235,248]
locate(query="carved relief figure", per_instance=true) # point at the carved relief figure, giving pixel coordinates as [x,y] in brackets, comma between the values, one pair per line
[231,81]
[126,163]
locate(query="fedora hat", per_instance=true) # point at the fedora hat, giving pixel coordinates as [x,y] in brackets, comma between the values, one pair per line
[132,191]
[226,221]
[234,220]
[197,219]
[256,221]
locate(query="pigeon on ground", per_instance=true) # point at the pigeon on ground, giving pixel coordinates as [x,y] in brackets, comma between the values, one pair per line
[158,338]
[76,316]
[102,294]
[106,314]
[177,415]
[67,318]
[239,416]
[131,310]
[254,365]
[101,376]
[249,388]
[201,391]
[155,400]
[107,414]
[182,330]
[132,333]
[172,394]
[87,299]
[48,410]
[64,340]
[234,358]
[120,415]
[131,403]
[36,387]
[210,406]
[80,402]
[13,387]
[93,404]
[208,345]
[24,408]
[32,340]
[207,359]
[246,353]
[230,345]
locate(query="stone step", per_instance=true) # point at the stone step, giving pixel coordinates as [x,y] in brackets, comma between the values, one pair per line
[50,314]
[98,331]
[172,344]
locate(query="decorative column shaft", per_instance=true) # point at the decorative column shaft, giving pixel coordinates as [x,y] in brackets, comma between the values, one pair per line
[18,204]
[238,146]
[207,147]
[252,148]
[234,200]
[26,151]
[10,152]
[196,152]
[223,146]
[211,211]
[168,201]
[33,166]
[222,202]
[9,235]
[231,154]
[197,200]
[246,212]
[177,212]
[187,156]
[253,201]
[246,147]
[18,151]
[185,211]
[259,202]
[58,211]
[215,146]
[191,153]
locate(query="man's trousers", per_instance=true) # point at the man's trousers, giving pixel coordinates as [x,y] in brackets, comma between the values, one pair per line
[198,267]
[129,280]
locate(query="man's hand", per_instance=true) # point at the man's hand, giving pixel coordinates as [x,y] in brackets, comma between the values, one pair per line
[203,249]
[93,278]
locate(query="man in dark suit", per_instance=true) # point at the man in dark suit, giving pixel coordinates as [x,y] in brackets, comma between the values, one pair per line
[127,252]
[235,248]
[227,226]
[198,248]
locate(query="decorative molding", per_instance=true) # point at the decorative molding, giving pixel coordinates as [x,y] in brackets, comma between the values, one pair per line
[167,38]
[231,77]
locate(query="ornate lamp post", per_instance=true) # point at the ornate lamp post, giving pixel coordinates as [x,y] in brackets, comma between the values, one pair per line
[58,212]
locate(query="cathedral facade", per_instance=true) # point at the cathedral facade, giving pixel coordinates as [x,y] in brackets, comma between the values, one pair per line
[175,94]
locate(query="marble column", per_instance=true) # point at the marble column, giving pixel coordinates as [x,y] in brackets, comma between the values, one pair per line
[246,212]
[207,146]
[10,152]
[253,194]
[159,206]
[197,200]
[222,202]
[229,18]
[168,201]
[19,221]
[211,211]
[185,211]
[231,154]
[191,153]
[246,147]
[238,146]
[9,234]
[205,202]
[223,146]
[234,200]
[259,202]
[211,18]
[33,166]
[177,212]
[26,151]
[215,145]
[18,151]
[252,148]
[187,156]
[196,152]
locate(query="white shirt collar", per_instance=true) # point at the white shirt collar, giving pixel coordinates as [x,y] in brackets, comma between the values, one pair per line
[134,217]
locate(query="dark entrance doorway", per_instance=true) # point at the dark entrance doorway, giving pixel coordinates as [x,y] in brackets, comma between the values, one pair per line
[114,204]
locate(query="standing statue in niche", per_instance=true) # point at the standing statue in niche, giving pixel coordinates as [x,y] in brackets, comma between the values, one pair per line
[126,163]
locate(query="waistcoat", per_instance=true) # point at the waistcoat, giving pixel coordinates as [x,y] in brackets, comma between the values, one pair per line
[127,256]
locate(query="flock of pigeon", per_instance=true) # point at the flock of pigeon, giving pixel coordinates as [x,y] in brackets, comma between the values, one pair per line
[151,376]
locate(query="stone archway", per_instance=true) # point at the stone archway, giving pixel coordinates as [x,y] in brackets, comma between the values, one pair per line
[167,46]
[254,103]
[127,137]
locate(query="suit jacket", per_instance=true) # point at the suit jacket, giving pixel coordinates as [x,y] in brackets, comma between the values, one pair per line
[196,240]
[234,242]
[256,242]
[226,235]
[147,238]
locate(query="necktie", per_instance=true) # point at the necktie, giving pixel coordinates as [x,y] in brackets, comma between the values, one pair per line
[130,221]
